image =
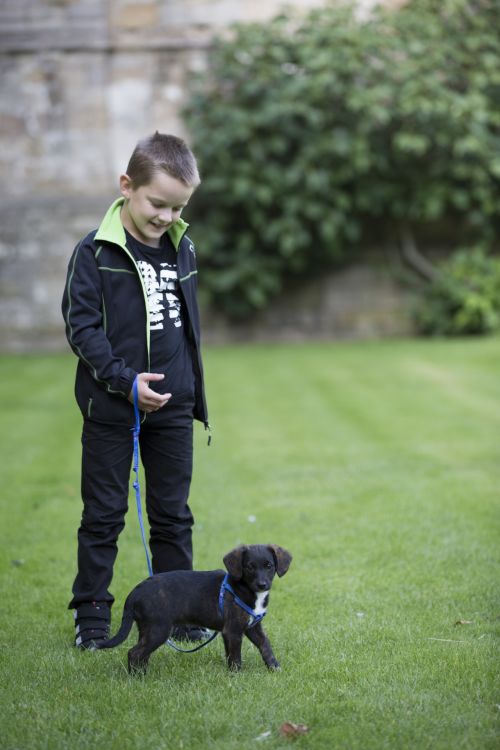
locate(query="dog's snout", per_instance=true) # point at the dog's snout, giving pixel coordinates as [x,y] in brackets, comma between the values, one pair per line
[262,585]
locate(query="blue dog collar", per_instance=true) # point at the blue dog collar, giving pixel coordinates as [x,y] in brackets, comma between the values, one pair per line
[226,586]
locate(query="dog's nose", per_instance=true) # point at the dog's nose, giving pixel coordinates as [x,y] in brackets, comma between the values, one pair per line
[262,586]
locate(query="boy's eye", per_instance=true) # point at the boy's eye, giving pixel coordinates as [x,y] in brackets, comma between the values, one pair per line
[175,209]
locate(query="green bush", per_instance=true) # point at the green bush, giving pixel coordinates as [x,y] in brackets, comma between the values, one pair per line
[310,128]
[464,298]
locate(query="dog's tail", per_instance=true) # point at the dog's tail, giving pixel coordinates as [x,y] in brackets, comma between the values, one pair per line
[125,628]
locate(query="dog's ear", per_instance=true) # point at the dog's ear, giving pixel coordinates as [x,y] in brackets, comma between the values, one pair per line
[282,559]
[234,561]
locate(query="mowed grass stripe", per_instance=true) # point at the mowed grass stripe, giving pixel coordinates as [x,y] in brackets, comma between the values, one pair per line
[376,464]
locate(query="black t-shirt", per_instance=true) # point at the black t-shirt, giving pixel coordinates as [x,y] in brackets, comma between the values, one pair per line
[170,351]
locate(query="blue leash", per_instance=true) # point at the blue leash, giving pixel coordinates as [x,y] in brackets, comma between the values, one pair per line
[136,432]
[196,648]
[225,586]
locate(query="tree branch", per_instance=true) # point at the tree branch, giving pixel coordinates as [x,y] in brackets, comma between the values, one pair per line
[412,256]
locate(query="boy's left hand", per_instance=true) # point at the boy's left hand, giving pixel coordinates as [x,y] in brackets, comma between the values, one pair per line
[147,399]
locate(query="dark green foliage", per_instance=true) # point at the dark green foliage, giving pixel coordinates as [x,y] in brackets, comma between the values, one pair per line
[464,298]
[308,128]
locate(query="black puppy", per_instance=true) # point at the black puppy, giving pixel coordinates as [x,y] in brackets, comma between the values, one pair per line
[234,604]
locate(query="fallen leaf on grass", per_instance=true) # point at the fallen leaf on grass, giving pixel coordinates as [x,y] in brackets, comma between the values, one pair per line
[289,729]
[464,622]
[263,736]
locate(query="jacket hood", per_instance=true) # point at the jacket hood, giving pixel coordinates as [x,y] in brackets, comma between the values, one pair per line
[111,228]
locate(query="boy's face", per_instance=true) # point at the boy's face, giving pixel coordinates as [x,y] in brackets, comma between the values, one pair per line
[151,209]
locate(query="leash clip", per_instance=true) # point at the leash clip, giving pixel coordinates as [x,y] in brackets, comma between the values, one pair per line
[226,586]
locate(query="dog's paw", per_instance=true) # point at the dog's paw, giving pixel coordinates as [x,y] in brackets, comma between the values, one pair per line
[274,666]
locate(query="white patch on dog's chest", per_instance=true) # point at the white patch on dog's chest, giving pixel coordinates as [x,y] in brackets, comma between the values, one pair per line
[261,603]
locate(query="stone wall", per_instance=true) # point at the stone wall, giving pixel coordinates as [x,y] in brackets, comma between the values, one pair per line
[365,301]
[83,80]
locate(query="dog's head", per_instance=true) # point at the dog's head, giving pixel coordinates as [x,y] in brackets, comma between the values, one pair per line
[257,564]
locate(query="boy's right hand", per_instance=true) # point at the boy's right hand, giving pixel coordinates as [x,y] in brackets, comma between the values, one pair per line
[148,400]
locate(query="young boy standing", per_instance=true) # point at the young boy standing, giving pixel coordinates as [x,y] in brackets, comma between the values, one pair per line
[131,312]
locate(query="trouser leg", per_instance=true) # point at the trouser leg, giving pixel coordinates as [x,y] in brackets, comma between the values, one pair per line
[106,463]
[167,457]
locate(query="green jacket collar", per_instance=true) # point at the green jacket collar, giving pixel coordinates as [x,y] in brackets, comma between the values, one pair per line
[111,228]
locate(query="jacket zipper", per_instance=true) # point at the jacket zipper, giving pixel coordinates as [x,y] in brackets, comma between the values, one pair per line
[146,305]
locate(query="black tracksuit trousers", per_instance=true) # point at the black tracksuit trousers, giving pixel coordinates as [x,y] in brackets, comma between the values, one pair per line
[166,450]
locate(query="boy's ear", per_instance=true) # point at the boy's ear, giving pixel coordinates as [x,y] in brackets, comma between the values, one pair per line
[282,558]
[234,562]
[125,185]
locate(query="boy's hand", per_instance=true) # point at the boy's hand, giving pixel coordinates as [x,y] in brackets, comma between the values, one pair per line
[148,400]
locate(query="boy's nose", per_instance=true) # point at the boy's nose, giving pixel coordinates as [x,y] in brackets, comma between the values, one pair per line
[165,216]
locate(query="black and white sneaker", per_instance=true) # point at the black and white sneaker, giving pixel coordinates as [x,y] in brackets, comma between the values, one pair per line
[92,623]
[191,633]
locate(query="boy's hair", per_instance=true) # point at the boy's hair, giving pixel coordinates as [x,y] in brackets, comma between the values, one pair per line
[163,152]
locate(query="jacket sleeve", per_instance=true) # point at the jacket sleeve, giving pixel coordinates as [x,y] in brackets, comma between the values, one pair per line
[82,312]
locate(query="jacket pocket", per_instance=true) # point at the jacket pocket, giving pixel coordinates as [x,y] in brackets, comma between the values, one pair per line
[97,404]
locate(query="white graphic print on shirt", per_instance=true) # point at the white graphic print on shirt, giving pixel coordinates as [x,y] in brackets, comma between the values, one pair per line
[163,298]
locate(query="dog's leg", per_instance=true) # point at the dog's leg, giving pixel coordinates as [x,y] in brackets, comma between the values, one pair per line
[137,663]
[149,640]
[257,636]
[232,645]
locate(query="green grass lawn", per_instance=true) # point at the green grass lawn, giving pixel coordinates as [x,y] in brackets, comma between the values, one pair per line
[376,464]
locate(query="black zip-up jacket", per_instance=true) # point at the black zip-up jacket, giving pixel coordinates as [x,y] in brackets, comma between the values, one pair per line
[107,319]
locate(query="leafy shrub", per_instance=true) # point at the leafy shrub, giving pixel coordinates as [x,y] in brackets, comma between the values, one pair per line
[309,127]
[464,298]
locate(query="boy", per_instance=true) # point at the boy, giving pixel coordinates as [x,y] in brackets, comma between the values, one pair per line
[131,312]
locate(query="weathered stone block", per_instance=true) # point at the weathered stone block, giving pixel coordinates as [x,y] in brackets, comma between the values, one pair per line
[134,15]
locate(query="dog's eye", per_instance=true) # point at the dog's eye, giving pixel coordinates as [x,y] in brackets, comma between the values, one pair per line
[268,565]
